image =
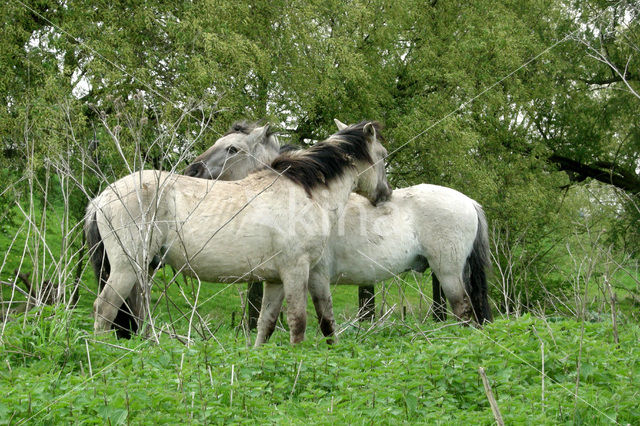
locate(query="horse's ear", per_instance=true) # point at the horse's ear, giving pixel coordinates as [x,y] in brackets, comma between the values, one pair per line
[369,132]
[340,124]
[261,134]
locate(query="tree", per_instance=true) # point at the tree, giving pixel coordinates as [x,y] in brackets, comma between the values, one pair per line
[511,103]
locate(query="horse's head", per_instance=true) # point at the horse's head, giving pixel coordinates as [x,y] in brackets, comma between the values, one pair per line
[372,178]
[243,150]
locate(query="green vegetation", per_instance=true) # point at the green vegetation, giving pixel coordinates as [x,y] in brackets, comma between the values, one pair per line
[519,104]
[529,107]
[402,371]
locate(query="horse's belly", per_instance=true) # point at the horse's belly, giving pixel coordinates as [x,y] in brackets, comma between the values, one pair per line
[371,244]
[241,273]
[239,257]
[368,264]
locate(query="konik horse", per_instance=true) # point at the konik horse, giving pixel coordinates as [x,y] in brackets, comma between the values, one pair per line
[273,225]
[420,226]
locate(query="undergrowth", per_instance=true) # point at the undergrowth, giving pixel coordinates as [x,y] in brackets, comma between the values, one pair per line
[400,371]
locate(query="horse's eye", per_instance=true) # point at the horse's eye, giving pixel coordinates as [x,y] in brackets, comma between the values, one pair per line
[232,150]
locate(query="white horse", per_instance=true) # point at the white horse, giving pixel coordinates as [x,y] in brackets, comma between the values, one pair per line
[241,137]
[421,226]
[273,225]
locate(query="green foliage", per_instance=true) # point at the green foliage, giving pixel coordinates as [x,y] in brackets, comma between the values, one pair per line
[395,376]
[513,103]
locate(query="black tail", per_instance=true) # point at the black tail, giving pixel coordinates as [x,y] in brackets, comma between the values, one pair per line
[124,323]
[479,265]
[97,255]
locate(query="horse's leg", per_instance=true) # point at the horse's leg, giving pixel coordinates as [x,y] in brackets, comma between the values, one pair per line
[294,281]
[132,312]
[272,297]
[107,304]
[125,323]
[254,298]
[366,302]
[137,304]
[453,287]
[321,296]
[439,306]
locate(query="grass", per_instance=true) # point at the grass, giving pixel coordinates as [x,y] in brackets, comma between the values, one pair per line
[402,371]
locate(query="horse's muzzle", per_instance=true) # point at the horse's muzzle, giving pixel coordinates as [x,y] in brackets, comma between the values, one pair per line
[383,193]
[200,170]
[194,170]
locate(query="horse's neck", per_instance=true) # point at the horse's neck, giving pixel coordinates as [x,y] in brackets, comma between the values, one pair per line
[334,198]
[264,158]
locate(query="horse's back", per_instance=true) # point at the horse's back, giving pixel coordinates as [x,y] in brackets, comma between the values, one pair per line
[446,221]
[135,192]
[440,197]
[209,228]
[422,225]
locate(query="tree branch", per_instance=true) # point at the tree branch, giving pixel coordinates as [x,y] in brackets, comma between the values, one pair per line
[601,171]
[603,81]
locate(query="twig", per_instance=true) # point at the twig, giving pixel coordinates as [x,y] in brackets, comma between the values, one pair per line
[612,300]
[575,401]
[21,291]
[542,373]
[88,358]
[490,397]
[112,345]
[295,382]
[210,376]
[25,280]
[231,393]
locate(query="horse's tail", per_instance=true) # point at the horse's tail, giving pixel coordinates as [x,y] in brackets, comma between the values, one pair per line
[479,264]
[97,255]
[124,322]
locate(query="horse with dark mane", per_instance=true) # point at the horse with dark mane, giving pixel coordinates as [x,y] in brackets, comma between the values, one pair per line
[421,226]
[272,225]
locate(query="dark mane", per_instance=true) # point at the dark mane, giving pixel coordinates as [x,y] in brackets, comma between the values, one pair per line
[289,148]
[326,160]
[245,127]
